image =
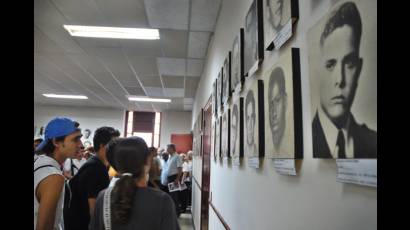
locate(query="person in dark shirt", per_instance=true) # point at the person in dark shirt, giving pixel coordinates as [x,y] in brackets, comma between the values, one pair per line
[130,204]
[88,182]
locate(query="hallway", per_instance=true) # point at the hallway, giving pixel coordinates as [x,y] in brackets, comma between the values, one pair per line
[185,221]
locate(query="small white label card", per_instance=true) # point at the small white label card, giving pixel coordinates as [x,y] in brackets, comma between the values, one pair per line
[253,162]
[284,34]
[357,171]
[285,166]
[236,161]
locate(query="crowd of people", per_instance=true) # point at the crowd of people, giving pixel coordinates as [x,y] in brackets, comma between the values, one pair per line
[116,183]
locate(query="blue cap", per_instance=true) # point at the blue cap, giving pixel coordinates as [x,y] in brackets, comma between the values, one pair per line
[57,127]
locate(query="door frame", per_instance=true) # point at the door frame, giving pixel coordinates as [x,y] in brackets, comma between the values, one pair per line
[206,137]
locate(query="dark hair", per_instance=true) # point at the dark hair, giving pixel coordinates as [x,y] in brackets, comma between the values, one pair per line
[110,152]
[151,149]
[172,146]
[346,14]
[103,135]
[250,98]
[277,76]
[49,148]
[130,156]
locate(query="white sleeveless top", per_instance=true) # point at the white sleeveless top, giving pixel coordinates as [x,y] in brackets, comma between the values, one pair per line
[41,174]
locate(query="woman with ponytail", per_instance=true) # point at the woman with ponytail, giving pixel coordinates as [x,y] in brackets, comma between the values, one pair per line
[130,204]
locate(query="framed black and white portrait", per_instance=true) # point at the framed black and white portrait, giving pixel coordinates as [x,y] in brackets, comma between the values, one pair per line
[253,50]
[237,74]
[226,79]
[225,137]
[219,92]
[236,141]
[254,121]
[280,15]
[283,108]
[343,81]
[213,140]
[217,151]
[214,92]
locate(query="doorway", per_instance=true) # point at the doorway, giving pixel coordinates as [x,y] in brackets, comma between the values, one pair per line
[206,164]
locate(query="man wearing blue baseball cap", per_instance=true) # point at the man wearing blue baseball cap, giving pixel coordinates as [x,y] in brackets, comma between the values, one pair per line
[62,139]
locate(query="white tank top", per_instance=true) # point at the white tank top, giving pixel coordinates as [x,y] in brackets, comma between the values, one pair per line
[41,174]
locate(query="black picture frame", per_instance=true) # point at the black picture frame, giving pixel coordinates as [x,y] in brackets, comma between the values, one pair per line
[253,36]
[225,133]
[236,144]
[283,108]
[289,8]
[226,79]
[237,65]
[258,113]
[219,92]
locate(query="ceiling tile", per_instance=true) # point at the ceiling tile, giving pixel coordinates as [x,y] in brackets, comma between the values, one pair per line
[173,81]
[194,67]
[191,85]
[170,14]
[43,44]
[154,91]
[176,107]
[198,44]
[171,66]
[188,101]
[137,91]
[204,14]
[80,12]
[124,13]
[86,42]
[151,81]
[144,66]
[142,48]
[174,43]
[173,92]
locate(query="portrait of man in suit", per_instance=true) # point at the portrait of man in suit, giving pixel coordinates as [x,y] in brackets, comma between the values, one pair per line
[275,14]
[250,121]
[86,138]
[277,101]
[234,130]
[225,134]
[236,62]
[335,132]
[218,137]
[251,38]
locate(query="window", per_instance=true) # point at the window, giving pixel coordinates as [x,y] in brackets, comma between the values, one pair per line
[146,125]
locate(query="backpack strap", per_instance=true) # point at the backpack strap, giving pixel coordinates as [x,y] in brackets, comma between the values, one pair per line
[107,208]
[43,166]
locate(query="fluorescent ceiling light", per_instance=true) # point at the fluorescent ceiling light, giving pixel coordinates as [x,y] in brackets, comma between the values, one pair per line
[112,32]
[66,96]
[147,99]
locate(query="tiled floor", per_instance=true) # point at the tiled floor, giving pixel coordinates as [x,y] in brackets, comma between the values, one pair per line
[185,221]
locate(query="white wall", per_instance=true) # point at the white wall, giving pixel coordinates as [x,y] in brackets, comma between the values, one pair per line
[88,117]
[262,199]
[174,122]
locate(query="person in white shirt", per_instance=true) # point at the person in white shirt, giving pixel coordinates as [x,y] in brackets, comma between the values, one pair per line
[174,166]
[186,178]
[62,140]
